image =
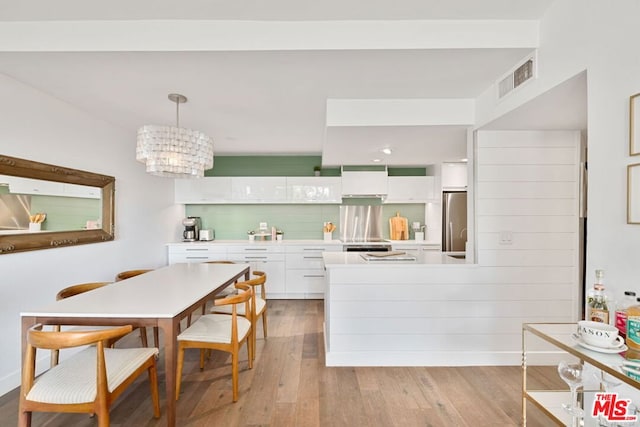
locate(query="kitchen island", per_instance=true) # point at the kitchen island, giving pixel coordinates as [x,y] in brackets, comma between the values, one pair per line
[434,311]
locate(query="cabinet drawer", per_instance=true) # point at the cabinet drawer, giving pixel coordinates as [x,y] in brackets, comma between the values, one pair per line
[312,259]
[255,256]
[305,281]
[411,249]
[258,248]
[312,248]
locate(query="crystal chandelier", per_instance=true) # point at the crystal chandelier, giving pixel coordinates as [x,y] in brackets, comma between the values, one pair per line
[174,152]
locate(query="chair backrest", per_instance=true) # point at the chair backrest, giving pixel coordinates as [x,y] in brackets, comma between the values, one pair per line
[259,280]
[73,338]
[246,297]
[79,289]
[123,275]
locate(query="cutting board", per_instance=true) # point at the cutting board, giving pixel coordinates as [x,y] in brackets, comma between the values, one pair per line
[398,227]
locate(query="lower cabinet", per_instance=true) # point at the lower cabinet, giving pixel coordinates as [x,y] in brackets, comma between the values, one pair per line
[305,271]
[195,252]
[294,271]
[269,259]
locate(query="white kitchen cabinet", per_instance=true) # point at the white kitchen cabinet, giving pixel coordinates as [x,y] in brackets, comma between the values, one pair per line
[364,183]
[267,258]
[305,270]
[18,185]
[203,190]
[454,176]
[415,248]
[83,191]
[195,252]
[312,189]
[260,189]
[410,189]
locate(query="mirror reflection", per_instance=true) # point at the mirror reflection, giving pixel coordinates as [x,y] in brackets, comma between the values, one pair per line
[44,206]
[32,205]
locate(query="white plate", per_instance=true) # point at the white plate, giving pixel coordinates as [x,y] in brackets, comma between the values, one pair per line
[616,349]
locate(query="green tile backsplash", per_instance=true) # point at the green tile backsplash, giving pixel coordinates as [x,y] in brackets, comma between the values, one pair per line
[66,213]
[298,221]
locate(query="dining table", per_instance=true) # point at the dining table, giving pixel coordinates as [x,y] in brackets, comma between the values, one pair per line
[160,298]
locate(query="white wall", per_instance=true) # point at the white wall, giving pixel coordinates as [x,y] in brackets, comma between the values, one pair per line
[601,38]
[38,127]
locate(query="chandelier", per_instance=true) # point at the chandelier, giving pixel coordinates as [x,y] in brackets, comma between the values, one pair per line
[172,151]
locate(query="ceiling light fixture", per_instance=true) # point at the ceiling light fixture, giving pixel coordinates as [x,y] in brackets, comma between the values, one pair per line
[376,160]
[386,151]
[172,151]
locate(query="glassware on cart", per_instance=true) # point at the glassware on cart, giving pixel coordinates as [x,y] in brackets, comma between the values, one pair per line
[608,383]
[572,374]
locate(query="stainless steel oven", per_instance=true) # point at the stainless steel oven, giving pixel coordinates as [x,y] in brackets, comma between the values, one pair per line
[365,247]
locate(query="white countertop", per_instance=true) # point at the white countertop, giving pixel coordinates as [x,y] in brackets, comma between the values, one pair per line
[297,242]
[350,259]
[262,242]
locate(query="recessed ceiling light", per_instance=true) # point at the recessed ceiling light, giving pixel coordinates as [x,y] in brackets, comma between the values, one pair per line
[464,160]
[386,151]
[376,160]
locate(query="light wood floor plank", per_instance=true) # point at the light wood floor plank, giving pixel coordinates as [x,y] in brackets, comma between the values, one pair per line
[290,386]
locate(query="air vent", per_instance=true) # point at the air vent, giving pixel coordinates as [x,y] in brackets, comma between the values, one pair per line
[522,73]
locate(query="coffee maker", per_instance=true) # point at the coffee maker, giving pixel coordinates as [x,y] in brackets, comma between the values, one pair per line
[192,225]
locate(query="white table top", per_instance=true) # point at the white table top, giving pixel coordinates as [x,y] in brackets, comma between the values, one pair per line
[161,293]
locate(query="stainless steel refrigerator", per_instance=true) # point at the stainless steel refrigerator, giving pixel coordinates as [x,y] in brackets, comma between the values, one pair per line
[454,221]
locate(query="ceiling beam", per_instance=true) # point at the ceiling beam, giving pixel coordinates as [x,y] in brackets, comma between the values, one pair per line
[200,35]
[400,112]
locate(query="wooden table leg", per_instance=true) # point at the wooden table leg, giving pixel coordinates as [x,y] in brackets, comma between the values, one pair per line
[170,330]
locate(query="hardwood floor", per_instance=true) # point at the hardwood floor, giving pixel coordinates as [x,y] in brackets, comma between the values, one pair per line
[290,386]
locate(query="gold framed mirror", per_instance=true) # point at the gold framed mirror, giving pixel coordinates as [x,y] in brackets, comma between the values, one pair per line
[634,125]
[51,182]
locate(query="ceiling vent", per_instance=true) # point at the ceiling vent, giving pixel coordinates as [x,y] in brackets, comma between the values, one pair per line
[522,73]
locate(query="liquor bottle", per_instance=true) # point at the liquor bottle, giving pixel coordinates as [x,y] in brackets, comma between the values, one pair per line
[621,312]
[598,305]
[633,326]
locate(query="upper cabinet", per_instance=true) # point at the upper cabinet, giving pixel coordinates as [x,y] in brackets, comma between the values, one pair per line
[18,185]
[454,176]
[39,187]
[203,190]
[410,189]
[239,190]
[314,189]
[263,189]
[364,183]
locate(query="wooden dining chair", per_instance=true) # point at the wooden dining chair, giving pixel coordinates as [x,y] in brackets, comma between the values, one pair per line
[259,303]
[221,294]
[124,275]
[68,292]
[220,332]
[87,382]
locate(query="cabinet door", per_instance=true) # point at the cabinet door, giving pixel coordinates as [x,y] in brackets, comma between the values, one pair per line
[454,175]
[203,190]
[275,285]
[364,183]
[269,189]
[19,185]
[410,189]
[305,283]
[84,191]
[314,189]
